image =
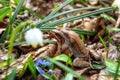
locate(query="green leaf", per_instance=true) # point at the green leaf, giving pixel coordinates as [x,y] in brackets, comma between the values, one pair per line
[64,58]
[69,76]
[96,66]
[12,75]
[32,67]
[4,12]
[111,66]
[65,68]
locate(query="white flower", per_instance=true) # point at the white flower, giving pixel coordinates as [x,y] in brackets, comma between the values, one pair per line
[116,3]
[34,37]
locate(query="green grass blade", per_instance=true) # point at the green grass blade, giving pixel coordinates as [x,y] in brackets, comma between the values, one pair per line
[62,21]
[65,68]
[66,12]
[12,75]
[13,35]
[32,67]
[113,29]
[4,12]
[108,17]
[21,73]
[79,31]
[9,27]
[117,70]
[55,11]
[60,7]
[69,77]
[12,38]
[103,42]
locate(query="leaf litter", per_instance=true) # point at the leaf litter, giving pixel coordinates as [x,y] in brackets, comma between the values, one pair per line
[83,51]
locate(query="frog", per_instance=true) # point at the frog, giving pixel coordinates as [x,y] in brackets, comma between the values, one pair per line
[69,38]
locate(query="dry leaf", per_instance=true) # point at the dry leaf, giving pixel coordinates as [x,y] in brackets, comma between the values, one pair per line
[113,53]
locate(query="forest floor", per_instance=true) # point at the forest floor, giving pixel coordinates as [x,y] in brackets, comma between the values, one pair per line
[81,40]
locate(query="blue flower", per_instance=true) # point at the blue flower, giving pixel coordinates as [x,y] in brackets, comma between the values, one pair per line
[41,64]
[48,64]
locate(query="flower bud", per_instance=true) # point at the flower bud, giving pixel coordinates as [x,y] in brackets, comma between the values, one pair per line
[34,37]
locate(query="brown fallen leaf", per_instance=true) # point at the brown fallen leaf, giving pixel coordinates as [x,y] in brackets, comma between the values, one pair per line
[94,77]
[58,72]
[113,53]
[100,28]
[116,38]
[82,71]
[105,75]
[4,22]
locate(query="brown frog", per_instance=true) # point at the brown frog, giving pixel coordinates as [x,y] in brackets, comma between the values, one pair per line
[71,40]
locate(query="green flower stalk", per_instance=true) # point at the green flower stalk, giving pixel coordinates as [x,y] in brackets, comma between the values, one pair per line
[12,38]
